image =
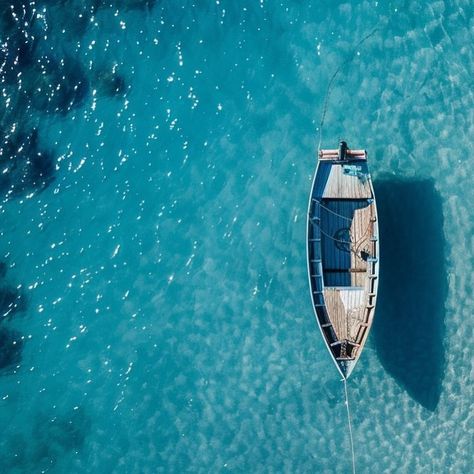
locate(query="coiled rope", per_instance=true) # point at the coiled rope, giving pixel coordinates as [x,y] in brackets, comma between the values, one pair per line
[356,243]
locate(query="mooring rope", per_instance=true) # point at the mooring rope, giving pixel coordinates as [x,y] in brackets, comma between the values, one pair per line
[349,58]
[333,78]
[350,426]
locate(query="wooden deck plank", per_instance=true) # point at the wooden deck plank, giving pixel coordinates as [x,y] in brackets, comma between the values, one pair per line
[348,302]
[336,312]
[341,185]
[361,231]
[346,307]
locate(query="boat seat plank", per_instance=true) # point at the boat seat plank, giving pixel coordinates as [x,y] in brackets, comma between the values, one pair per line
[346,310]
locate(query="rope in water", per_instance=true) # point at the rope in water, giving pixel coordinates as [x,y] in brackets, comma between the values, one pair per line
[333,78]
[321,124]
[350,426]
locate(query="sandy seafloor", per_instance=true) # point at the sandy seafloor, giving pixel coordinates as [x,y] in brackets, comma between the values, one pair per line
[155,167]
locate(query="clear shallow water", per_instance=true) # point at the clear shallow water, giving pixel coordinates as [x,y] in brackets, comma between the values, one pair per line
[158,315]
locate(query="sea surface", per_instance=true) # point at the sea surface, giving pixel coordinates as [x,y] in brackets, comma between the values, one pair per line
[155,164]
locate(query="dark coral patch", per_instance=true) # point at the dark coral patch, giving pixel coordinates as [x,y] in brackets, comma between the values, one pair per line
[19,40]
[3,269]
[56,436]
[74,24]
[16,15]
[109,83]
[126,4]
[16,55]
[58,85]
[12,301]
[24,165]
[50,439]
[11,345]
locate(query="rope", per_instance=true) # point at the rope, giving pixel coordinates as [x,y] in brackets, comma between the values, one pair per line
[333,78]
[321,124]
[320,204]
[356,243]
[349,420]
[330,236]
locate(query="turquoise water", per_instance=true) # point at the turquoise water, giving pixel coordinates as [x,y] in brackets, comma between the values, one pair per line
[156,163]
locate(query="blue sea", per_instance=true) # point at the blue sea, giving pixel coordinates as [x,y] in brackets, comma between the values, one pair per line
[155,164]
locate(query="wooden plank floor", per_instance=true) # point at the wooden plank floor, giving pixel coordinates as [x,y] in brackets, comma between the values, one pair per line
[346,267]
[347,310]
[362,229]
[342,185]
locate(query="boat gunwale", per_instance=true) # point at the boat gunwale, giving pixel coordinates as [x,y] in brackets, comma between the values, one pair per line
[308,223]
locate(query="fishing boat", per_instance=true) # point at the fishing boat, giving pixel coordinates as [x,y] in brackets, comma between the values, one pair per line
[343,252]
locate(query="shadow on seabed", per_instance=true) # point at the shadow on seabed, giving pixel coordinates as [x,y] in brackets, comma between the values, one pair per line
[409,326]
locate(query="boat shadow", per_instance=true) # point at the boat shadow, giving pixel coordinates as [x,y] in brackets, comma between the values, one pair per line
[409,329]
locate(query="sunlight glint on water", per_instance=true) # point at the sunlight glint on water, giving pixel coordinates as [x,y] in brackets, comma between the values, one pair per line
[156,162]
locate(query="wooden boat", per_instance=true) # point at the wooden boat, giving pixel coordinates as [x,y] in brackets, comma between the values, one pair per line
[343,252]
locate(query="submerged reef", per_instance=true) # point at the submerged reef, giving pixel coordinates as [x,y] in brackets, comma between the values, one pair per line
[25,165]
[31,74]
[58,435]
[126,4]
[16,56]
[37,81]
[12,302]
[11,346]
[74,24]
[58,85]
[46,443]
[110,83]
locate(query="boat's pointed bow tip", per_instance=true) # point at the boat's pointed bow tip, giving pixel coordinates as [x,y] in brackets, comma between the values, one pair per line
[346,368]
